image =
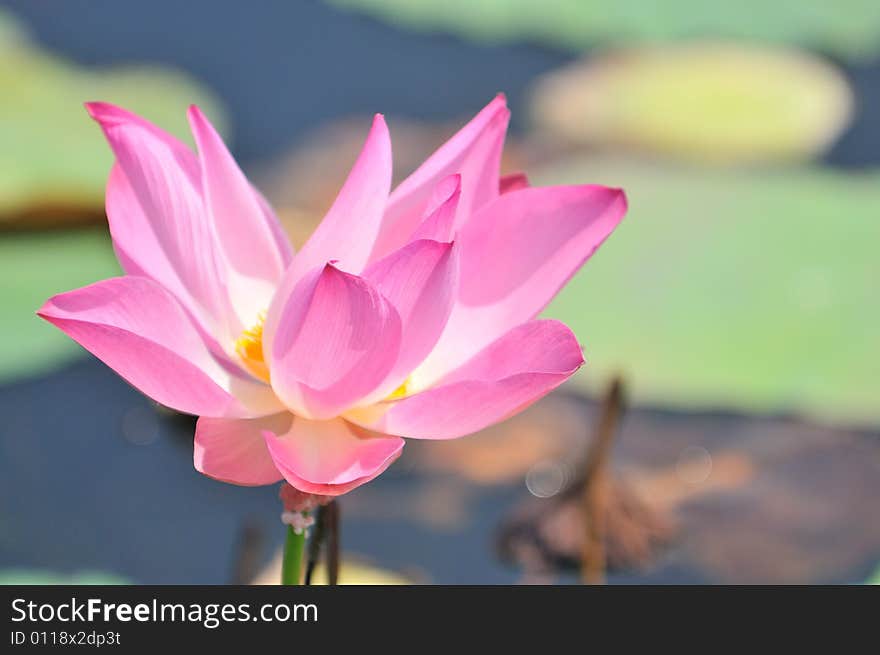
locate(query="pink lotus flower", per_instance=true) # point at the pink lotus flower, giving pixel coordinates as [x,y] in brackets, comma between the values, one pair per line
[406,314]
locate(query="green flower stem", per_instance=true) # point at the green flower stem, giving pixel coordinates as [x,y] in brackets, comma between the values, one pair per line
[291,567]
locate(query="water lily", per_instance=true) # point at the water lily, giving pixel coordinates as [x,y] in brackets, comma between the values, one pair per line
[407,314]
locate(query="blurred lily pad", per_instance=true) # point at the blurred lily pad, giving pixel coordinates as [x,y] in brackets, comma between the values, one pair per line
[359,573]
[849,28]
[352,571]
[54,162]
[714,102]
[754,289]
[34,266]
[41,577]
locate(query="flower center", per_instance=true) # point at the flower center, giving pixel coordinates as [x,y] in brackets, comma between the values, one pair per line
[249,347]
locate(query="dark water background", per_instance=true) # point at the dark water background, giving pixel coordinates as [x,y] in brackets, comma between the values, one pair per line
[91,476]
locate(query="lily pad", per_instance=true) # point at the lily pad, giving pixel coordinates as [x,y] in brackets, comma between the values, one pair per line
[754,289]
[54,161]
[707,102]
[42,577]
[359,573]
[351,572]
[35,266]
[848,28]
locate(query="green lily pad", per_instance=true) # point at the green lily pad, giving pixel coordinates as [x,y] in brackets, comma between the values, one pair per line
[42,577]
[751,289]
[54,161]
[848,28]
[706,102]
[35,266]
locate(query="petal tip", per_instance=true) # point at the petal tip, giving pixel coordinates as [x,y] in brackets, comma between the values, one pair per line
[331,267]
[47,309]
[202,128]
[99,111]
[379,123]
[571,340]
[618,202]
[616,192]
[197,117]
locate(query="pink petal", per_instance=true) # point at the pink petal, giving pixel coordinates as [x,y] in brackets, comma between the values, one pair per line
[137,247]
[513,182]
[337,339]
[140,254]
[158,220]
[108,115]
[474,152]
[516,254]
[330,457]
[513,372]
[348,231]
[140,331]
[234,450]
[239,220]
[439,221]
[419,280]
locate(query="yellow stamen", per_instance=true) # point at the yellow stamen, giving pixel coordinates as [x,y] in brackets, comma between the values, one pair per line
[249,347]
[400,392]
